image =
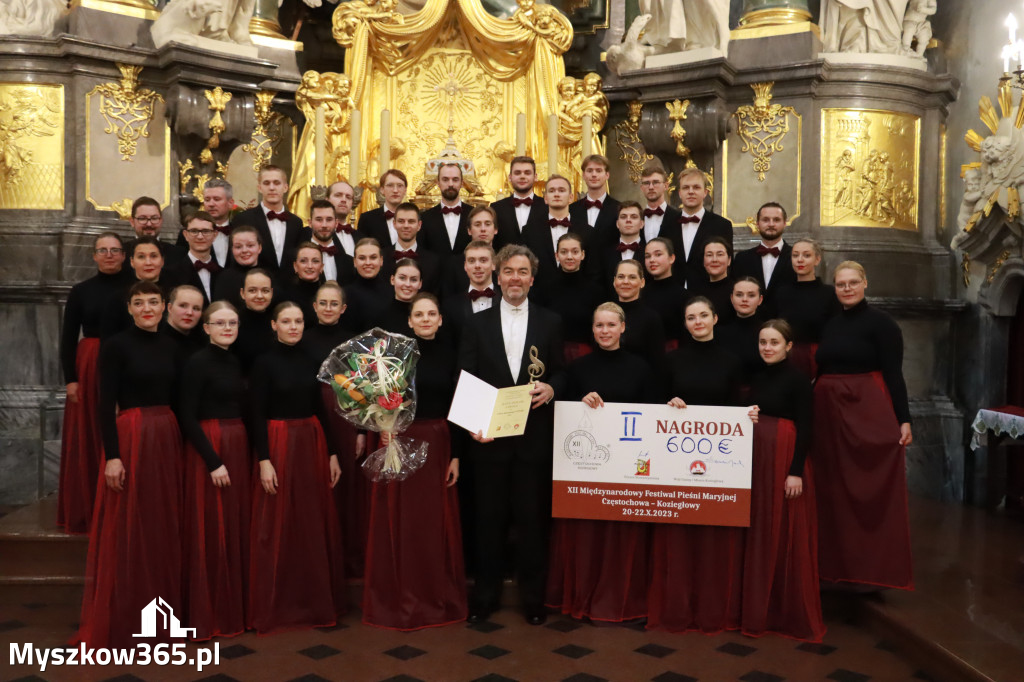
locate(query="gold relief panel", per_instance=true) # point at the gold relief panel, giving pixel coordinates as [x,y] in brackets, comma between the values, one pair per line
[111,175]
[31,146]
[869,168]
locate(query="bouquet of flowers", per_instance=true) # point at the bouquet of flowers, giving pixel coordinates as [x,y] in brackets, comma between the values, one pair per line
[371,377]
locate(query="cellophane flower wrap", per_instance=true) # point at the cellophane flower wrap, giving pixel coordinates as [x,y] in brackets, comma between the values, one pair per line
[371,375]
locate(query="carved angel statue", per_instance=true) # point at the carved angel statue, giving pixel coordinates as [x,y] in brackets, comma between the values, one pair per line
[864,25]
[30,17]
[629,55]
[917,30]
[353,14]
[972,197]
[546,21]
[182,21]
[679,25]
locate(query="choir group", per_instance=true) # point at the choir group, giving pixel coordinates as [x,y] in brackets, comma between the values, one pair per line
[209,468]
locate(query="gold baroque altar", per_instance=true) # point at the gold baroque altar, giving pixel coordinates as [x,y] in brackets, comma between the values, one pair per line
[449,73]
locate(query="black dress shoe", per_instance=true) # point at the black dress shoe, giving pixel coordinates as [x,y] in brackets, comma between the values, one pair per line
[536,618]
[479,615]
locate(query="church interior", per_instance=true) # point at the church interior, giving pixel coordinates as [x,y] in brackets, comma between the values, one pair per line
[890,130]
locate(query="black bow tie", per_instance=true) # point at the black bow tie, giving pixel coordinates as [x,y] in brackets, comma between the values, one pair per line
[210,265]
[346,228]
[388,214]
[478,294]
[274,215]
[224,229]
[648,212]
[457,210]
[517,202]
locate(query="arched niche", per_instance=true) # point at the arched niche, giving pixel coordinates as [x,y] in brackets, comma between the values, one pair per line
[1000,296]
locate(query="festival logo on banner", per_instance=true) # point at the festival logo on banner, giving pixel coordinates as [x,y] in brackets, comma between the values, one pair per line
[698,468]
[643,467]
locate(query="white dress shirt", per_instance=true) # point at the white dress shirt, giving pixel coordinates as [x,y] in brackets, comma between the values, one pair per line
[482,303]
[556,233]
[637,254]
[592,213]
[277,228]
[768,262]
[513,333]
[451,223]
[221,246]
[204,275]
[690,232]
[330,264]
[652,225]
[523,212]
[348,242]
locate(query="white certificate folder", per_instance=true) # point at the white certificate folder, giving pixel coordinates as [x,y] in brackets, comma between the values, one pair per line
[479,407]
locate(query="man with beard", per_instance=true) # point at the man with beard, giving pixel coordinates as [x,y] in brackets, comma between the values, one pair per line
[322,231]
[524,207]
[146,221]
[341,196]
[770,262]
[445,225]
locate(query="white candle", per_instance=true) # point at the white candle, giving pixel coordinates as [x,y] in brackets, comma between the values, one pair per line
[354,143]
[520,134]
[552,144]
[1011,23]
[588,135]
[385,142]
[1006,59]
[319,154]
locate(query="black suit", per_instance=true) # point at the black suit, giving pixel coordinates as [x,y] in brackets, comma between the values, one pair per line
[373,224]
[457,308]
[342,261]
[184,272]
[182,243]
[512,480]
[607,258]
[690,269]
[537,237]
[748,264]
[429,264]
[509,231]
[434,235]
[256,217]
[606,229]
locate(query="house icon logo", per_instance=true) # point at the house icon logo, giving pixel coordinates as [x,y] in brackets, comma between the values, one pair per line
[158,614]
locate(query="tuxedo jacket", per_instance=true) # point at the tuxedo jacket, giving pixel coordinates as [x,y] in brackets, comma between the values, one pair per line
[182,243]
[606,230]
[430,267]
[343,261]
[482,354]
[373,224]
[455,281]
[184,272]
[434,235]
[605,259]
[748,264]
[508,224]
[457,308]
[255,217]
[537,237]
[691,269]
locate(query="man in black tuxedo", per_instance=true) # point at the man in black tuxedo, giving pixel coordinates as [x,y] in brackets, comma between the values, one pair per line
[407,229]
[770,262]
[199,268]
[479,294]
[280,230]
[541,234]
[657,212]
[341,196]
[514,212]
[597,209]
[322,232]
[481,227]
[445,226]
[379,223]
[695,225]
[218,199]
[512,476]
[630,244]
[146,221]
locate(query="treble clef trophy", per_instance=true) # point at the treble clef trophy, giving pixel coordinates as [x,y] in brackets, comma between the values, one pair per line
[536,368]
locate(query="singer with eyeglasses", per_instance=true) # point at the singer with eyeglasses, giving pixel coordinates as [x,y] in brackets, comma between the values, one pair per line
[199,268]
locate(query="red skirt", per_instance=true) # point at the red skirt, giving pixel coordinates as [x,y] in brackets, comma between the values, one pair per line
[861,482]
[801,356]
[81,445]
[135,538]
[575,349]
[415,577]
[780,572]
[296,567]
[216,528]
[352,493]
[599,569]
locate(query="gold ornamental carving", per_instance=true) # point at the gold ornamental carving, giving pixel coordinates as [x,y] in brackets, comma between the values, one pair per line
[577,98]
[218,100]
[31,146]
[762,127]
[869,168]
[266,134]
[677,113]
[332,91]
[127,109]
[997,265]
[123,208]
[627,139]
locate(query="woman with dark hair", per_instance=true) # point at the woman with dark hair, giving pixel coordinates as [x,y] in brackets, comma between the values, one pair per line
[739,335]
[599,569]
[255,336]
[218,474]
[406,282]
[780,572]
[807,304]
[697,571]
[296,568]
[81,447]
[414,571]
[573,295]
[862,420]
[309,275]
[135,535]
[147,264]
[644,335]
[718,287]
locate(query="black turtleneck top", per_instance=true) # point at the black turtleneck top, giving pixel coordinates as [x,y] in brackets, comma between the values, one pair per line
[319,340]
[255,336]
[703,373]
[283,385]
[573,296]
[187,342]
[83,313]
[212,387]
[667,297]
[807,306]
[137,369]
[302,294]
[395,318]
[436,375]
[644,335]
[367,301]
[864,339]
[618,376]
[783,391]
[720,295]
[739,337]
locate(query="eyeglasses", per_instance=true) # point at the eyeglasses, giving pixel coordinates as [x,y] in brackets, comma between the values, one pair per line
[108,252]
[220,324]
[853,284]
[200,233]
[148,219]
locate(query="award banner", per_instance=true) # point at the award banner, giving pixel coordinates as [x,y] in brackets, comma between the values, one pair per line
[653,463]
